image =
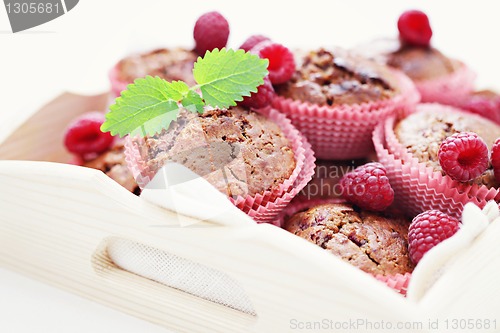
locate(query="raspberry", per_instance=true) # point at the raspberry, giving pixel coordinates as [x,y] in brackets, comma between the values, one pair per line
[427,230]
[76,160]
[84,135]
[463,156]
[210,31]
[281,62]
[252,41]
[414,28]
[368,187]
[495,159]
[262,98]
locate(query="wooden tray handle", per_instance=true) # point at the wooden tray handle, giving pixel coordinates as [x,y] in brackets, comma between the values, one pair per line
[55,217]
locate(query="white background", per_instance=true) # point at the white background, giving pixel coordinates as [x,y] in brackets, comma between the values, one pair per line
[75,52]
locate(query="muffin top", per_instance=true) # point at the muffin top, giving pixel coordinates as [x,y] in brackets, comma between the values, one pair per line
[419,63]
[423,132]
[112,163]
[338,77]
[422,63]
[369,241]
[238,151]
[169,64]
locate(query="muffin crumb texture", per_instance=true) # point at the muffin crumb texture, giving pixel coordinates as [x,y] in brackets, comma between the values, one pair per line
[238,151]
[168,64]
[422,63]
[372,242]
[338,77]
[113,164]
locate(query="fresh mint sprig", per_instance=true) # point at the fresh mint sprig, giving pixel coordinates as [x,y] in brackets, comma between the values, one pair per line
[150,104]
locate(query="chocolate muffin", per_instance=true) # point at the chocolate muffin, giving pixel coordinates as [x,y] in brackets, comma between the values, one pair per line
[112,163]
[423,132]
[372,242]
[422,63]
[238,151]
[419,63]
[338,77]
[169,64]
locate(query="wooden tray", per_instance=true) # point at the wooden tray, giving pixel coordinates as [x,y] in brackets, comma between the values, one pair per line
[57,219]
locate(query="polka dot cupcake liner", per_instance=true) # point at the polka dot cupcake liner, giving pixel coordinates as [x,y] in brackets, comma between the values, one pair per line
[263,207]
[344,131]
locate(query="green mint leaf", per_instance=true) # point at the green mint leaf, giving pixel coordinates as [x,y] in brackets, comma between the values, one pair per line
[179,87]
[150,104]
[226,76]
[193,102]
[140,105]
[157,124]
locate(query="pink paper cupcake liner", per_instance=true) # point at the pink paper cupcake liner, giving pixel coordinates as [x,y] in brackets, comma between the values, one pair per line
[262,207]
[486,107]
[300,148]
[409,94]
[419,187]
[344,131]
[398,282]
[449,88]
[117,85]
[269,212]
